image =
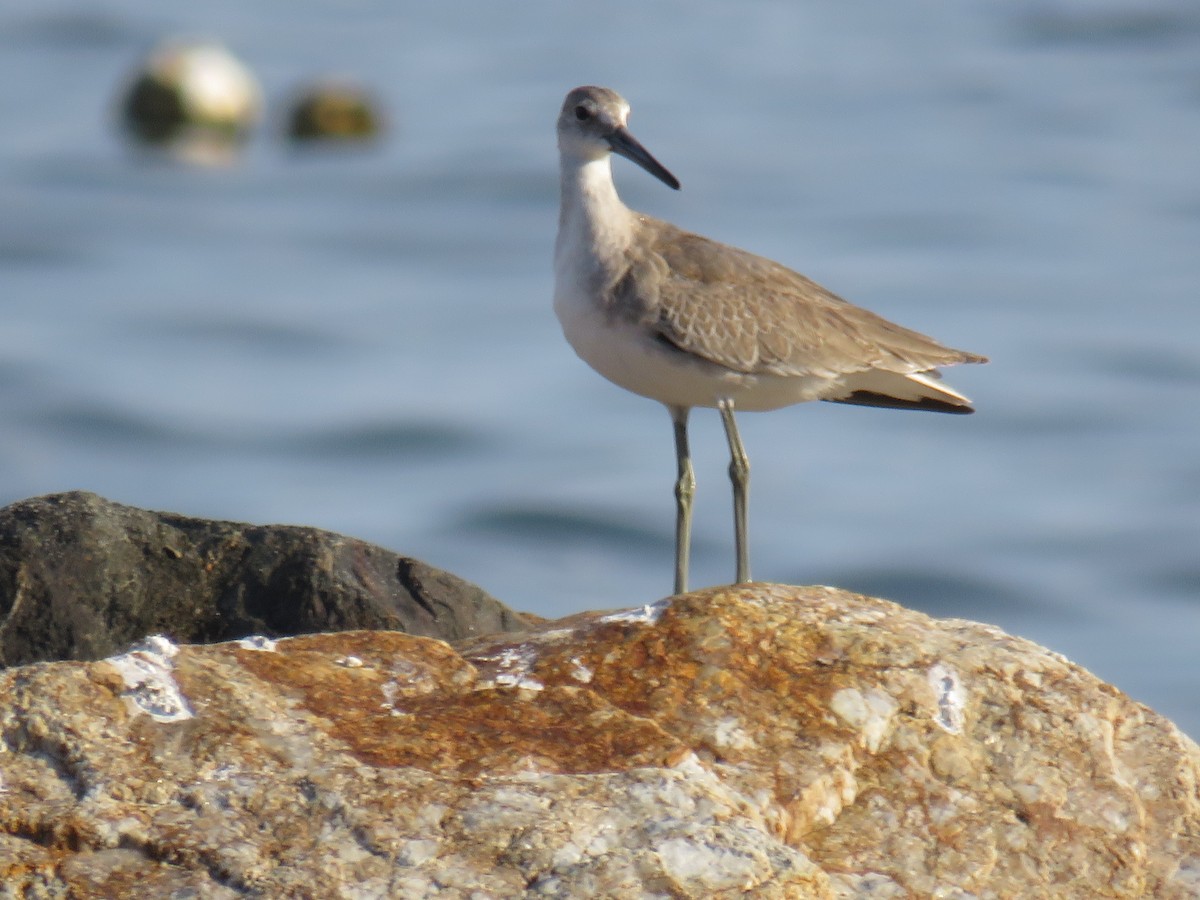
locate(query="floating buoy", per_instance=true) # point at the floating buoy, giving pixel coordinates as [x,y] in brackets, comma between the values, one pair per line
[192,98]
[333,111]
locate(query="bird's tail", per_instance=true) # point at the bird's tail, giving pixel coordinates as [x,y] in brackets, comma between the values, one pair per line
[902,390]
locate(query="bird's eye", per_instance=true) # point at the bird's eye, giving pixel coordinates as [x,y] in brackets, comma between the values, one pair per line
[582,114]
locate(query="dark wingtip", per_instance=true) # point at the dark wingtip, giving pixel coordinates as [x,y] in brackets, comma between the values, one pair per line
[883,401]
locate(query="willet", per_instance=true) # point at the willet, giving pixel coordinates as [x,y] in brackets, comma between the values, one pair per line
[689,322]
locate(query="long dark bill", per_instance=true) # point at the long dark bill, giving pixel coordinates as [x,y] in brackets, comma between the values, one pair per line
[625,144]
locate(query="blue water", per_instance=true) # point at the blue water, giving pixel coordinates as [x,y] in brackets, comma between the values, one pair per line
[364,341]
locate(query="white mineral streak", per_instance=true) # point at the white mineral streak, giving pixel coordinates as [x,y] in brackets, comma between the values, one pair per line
[150,687]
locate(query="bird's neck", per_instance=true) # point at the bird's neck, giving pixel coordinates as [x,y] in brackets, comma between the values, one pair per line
[590,210]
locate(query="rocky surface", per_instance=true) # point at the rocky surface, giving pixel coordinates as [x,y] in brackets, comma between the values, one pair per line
[763,741]
[82,578]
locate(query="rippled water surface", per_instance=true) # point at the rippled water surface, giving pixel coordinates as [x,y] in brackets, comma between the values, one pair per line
[364,341]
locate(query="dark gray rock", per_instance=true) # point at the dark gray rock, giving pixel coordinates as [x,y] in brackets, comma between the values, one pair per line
[82,577]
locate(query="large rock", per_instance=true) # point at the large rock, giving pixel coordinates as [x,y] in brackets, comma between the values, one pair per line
[762,741]
[82,578]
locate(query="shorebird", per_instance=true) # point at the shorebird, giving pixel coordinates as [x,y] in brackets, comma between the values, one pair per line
[691,322]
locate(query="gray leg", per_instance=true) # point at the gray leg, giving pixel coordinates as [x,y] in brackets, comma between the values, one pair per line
[739,474]
[685,489]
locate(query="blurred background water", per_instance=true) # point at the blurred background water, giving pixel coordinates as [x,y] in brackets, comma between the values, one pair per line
[364,341]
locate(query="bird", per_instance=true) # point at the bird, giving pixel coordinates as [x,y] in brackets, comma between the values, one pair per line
[693,322]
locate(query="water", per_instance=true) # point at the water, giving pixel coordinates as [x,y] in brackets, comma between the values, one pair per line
[364,342]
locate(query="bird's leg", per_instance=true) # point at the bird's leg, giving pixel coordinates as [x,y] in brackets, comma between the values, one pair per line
[685,489]
[739,474]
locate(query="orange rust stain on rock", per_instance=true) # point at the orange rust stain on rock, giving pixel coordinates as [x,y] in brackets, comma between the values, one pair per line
[562,730]
[453,725]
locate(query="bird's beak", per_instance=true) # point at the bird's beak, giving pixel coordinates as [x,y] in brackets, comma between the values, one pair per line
[625,144]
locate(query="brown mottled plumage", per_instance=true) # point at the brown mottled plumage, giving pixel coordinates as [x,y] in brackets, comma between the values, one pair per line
[753,315]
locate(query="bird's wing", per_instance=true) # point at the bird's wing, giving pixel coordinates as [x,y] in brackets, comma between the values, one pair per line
[755,316]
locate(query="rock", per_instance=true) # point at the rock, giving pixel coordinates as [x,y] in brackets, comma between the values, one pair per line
[333,112]
[82,578]
[762,741]
[194,99]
